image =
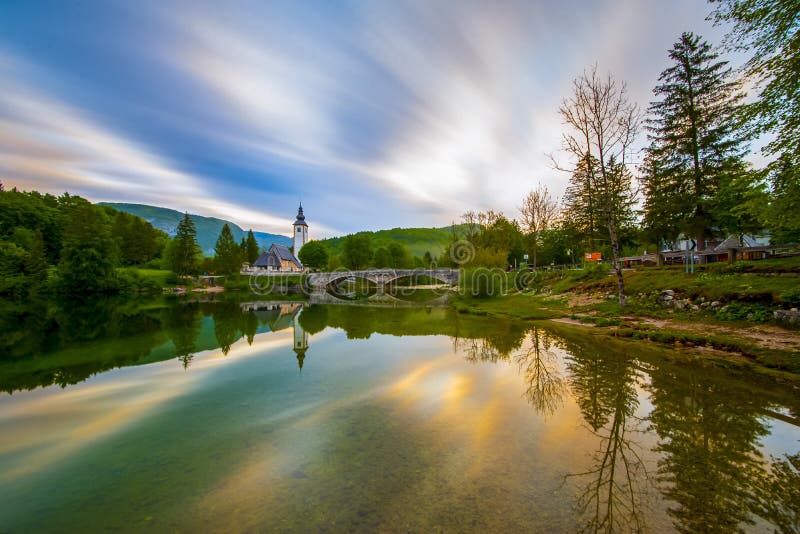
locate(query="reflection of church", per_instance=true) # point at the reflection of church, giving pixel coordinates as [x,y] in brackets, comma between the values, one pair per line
[277,316]
[300,339]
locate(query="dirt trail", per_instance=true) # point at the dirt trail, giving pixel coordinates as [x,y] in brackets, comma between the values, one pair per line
[766,336]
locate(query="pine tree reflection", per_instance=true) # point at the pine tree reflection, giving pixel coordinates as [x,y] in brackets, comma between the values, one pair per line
[709,440]
[613,497]
[182,324]
[779,493]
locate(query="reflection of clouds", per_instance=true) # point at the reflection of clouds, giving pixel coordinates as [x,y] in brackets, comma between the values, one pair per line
[51,431]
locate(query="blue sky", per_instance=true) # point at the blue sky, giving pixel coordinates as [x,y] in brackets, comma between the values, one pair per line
[375,114]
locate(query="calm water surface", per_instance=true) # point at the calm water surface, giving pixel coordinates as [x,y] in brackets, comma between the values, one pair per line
[228,416]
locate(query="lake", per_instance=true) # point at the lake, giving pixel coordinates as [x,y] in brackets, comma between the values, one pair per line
[259,416]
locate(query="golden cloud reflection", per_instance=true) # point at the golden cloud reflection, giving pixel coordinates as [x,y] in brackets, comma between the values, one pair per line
[51,424]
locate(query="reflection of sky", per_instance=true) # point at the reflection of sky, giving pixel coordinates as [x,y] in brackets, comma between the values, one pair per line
[397,113]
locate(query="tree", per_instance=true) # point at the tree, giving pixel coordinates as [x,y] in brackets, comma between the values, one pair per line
[768,30]
[227,256]
[251,248]
[538,212]
[784,203]
[185,253]
[603,126]
[381,258]
[694,140]
[581,208]
[399,257]
[357,251]
[36,263]
[314,255]
[89,253]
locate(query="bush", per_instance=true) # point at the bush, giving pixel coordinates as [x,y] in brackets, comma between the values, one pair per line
[744,312]
[481,282]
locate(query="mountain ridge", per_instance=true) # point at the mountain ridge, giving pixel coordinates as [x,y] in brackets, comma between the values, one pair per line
[208,228]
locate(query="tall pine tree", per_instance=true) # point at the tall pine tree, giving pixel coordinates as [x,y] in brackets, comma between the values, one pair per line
[227,253]
[694,141]
[185,253]
[251,248]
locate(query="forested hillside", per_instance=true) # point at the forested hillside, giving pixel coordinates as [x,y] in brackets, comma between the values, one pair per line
[417,241]
[208,228]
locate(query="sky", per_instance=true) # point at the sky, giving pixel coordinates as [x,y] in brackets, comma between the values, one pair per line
[376,114]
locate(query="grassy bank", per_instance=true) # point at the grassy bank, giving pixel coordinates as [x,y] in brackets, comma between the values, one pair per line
[723,309]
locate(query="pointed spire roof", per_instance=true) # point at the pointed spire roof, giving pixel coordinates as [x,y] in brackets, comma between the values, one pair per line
[301,219]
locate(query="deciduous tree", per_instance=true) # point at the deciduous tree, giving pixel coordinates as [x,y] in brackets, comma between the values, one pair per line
[314,255]
[538,212]
[602,127]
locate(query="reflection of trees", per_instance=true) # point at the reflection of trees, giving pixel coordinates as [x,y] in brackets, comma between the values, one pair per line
[314,319]
[779,493]
[709,432]
[545,385]
[604,386]
[227,319]
[182,324]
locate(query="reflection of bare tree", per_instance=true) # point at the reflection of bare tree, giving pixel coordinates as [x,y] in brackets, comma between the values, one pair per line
[478,350]
[546,386]
[614,495]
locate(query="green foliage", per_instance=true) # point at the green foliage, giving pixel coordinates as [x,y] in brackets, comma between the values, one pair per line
[228,255]
[767,30]
[695,141]
[251,248]
[89,253]
[482,283]
[736,311]
[314,255]
[12,262]
[137,241]
[781,214]
[184,252]
[44,228]
[36,267]
[357,251]
[417,241]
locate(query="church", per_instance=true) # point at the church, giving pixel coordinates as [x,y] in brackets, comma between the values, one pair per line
[279,259]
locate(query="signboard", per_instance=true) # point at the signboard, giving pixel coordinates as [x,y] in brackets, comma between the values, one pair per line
[525,257]
[592,256]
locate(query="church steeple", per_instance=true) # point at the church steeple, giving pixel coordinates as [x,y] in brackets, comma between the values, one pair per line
[301,219]
[299,231]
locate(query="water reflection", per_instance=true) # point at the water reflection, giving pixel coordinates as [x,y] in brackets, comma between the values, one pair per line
[710,463]
[503,421]
[616,484]
[546,386]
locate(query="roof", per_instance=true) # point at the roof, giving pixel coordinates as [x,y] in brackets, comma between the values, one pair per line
[283,253]
[733,242]
[301,219]
[268,259]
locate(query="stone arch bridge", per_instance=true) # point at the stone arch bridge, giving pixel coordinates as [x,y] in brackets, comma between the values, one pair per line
[319,282]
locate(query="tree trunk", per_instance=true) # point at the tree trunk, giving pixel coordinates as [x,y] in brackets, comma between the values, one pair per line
[612,233]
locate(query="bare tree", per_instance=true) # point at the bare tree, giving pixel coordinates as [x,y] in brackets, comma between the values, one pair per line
[538,211]
[603,125]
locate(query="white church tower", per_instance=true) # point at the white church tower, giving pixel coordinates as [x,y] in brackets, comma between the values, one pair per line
[300,233]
